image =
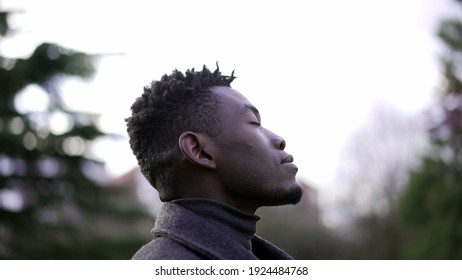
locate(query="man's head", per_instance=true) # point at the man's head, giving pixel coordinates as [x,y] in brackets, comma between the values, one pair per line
[194,136]
[177,103]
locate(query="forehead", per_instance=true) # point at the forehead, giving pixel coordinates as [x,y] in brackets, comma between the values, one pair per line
[230,99]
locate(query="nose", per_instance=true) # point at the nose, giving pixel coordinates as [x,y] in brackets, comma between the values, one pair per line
[277,141]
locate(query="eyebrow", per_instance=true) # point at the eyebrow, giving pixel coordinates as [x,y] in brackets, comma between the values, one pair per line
[252,108]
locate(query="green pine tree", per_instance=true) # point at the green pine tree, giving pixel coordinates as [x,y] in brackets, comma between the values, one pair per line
[431,208]
[50,207]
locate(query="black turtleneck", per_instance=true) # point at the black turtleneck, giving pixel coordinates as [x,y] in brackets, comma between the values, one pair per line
[193,229]
[235,223]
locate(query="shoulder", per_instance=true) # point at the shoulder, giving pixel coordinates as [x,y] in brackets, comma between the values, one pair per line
[164,248]
[265,250]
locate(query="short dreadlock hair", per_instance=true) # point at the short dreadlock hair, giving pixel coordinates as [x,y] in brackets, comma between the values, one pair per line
[177,103]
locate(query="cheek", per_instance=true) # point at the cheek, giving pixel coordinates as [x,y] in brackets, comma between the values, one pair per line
[248,154]
[255,164]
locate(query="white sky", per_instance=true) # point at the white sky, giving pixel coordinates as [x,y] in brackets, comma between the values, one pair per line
[313,68]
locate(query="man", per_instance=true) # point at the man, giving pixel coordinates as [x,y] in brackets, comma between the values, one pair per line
[201,144]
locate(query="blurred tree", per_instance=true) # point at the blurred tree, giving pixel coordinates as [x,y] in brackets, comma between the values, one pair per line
[431,208]
[378,159]
[375,169]
[51,205]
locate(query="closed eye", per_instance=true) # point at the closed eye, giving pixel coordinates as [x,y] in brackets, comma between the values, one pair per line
[254,116]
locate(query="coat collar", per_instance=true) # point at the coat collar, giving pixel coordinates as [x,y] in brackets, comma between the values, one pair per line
[194,232]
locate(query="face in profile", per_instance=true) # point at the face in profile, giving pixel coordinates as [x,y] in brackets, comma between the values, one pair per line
[252,164]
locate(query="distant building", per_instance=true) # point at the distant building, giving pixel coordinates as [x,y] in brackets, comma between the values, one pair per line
[309,203]
[146,193]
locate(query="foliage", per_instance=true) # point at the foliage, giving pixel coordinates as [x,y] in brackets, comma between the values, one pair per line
[430,211]
[50,204]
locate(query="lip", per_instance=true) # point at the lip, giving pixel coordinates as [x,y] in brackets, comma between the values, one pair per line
[291,166]
[287,161]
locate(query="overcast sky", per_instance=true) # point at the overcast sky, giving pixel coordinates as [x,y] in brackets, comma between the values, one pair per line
[314,69]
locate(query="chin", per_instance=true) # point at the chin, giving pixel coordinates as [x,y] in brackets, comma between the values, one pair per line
[290,195]
[295,195]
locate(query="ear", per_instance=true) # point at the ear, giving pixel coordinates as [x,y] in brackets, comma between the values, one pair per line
[195,148]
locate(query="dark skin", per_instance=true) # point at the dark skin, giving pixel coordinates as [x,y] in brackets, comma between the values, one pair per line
[245,166]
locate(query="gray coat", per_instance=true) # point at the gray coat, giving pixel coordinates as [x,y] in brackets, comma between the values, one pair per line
[182,234]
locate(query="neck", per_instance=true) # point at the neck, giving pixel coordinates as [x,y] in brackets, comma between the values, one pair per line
[208,188]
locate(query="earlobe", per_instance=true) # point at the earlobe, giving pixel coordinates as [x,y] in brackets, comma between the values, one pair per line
[193,146]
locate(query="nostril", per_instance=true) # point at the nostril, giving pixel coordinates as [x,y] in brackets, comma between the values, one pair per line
[282,145]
